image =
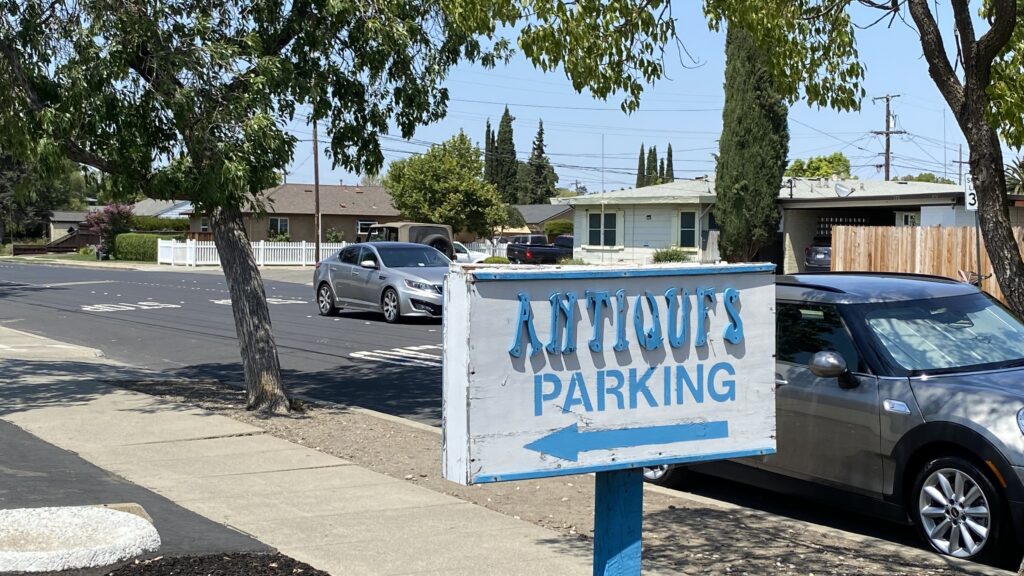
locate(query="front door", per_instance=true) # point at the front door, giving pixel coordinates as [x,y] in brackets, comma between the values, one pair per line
[341,274]
[824,432]
[366,281]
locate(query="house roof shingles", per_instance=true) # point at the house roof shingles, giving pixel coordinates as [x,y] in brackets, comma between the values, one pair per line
[68,216]
[538,213]
[334,200]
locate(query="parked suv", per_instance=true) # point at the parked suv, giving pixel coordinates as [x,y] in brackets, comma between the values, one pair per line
[903,396]
[818,256]
[437,236]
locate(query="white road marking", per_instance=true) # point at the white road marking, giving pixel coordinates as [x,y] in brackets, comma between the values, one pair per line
[271,300]
[125,306]
[408,356]
[83,283]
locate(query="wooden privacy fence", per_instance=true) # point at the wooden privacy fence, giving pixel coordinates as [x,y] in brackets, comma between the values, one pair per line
[938,250]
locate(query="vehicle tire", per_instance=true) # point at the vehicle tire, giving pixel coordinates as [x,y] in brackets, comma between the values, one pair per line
[442,245]
[664,475]
[325,300]
[391,306]
[957,509]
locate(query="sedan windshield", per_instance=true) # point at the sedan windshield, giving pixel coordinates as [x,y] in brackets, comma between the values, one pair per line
[412,257]
[947,334]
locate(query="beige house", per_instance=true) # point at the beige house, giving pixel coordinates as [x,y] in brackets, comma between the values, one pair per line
[348,210]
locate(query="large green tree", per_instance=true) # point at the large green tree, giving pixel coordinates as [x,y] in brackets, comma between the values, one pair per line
[835,164]
[651,169]
[446,185]
[541,176]
[488,152]
[29,194]
[925,177]
[506,166]
[670,171]
[752,151]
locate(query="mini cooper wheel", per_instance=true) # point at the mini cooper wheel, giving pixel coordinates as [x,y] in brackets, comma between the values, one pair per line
[957,509]
[325,301]
[391,305]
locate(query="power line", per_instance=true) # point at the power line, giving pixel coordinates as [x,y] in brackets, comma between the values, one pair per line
[589,108]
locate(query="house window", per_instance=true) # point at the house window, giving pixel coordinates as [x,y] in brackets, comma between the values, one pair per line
[278,226]
[688,229]
[602,233]
[363,226]
[204,224]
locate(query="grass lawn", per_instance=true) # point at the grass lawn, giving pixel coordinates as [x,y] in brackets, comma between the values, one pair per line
[74,256]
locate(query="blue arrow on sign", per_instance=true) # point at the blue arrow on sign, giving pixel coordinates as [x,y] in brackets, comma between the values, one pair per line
[568,442]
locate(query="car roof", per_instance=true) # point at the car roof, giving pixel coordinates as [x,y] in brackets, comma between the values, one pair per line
[392,245]
[865,287]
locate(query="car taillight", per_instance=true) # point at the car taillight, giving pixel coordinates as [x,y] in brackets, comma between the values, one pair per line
[807,251]
[529,254]
[317,266]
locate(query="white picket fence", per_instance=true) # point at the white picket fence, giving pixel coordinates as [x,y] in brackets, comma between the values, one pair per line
[204,253]
[488,248]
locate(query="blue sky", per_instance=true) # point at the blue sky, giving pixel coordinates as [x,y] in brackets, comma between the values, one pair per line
[684,109]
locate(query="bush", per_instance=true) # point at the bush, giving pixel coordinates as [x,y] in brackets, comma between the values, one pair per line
[334,235]
[495,260]
[558,227]
[139,247]
[87,251]
[156,224]
[279,238]
[671,255]
[572,262]
[112,220]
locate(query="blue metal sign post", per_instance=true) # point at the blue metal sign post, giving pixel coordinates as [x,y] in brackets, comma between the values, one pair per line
[618,522]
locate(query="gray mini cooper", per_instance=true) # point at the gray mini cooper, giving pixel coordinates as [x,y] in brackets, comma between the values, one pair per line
[902,396]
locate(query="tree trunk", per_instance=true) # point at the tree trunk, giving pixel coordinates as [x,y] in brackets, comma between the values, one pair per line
[264,390]
[993,214]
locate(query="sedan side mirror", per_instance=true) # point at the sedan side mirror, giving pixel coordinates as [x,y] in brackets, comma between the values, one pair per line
[368,264]
[832,365]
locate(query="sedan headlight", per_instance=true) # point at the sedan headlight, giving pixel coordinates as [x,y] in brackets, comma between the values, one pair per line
[419,286]
[1020,420]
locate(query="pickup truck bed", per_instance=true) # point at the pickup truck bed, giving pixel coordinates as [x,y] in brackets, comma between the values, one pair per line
[540,253]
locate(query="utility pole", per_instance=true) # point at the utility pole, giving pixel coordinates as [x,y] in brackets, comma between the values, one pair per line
[960,164]
[316,186]
[889,124]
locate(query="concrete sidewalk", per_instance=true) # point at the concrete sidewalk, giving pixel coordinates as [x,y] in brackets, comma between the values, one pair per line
[316,508]
[294,274]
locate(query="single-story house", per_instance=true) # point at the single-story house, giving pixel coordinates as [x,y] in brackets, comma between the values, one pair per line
[162,208]
[62,223]
[349,210]
[630,225]
[537,215]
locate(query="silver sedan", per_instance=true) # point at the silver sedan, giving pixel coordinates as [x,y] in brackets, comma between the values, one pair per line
[396,278]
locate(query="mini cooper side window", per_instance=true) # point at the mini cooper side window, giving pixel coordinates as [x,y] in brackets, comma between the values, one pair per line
[802,330]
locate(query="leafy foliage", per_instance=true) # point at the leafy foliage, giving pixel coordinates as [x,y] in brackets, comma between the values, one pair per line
[138,247]
[495,260]
[670,172]
[505,172]
[925,177]
[445,185]
[28,195]
[157,224]
[752,152]
[572,262]
[671,255]
[558,227]
[641,169]
[541,177]
[112,220]
[334,235]
[835,164]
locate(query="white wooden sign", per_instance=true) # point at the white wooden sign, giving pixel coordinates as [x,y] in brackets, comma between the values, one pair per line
[970,196]
[551,371]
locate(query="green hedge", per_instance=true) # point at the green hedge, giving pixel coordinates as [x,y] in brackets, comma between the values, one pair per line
[495,260]
[156,224]
[671,255]
[558,227]
[139,247]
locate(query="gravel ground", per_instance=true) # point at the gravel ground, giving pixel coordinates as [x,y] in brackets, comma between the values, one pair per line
[682,535]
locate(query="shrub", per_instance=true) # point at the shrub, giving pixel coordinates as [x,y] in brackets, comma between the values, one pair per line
[87,250]
[112,220]
[279,238]
[156,224]
[671,255]
[139,247]
[334,235]
[495,260]
[573,262]
[558,227]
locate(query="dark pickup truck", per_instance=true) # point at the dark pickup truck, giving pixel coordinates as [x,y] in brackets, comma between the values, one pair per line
[534,249]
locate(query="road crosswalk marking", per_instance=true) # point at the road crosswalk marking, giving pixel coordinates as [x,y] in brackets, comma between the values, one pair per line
[416,356]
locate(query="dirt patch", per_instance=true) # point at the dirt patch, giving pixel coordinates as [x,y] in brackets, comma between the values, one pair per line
[682,535]
[219,565]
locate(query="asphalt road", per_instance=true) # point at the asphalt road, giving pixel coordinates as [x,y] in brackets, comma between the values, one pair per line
[179,324]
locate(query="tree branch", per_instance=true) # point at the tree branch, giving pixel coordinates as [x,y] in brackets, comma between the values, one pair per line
[72,149]
[935,53]
[1004,13]
[968,41]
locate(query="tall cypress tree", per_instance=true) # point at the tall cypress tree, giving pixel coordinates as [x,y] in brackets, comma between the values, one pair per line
[505,164]
[752,151]
[670,173]
[652,166]
[542,177]
[488,153]
[641,169]
[661,171]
